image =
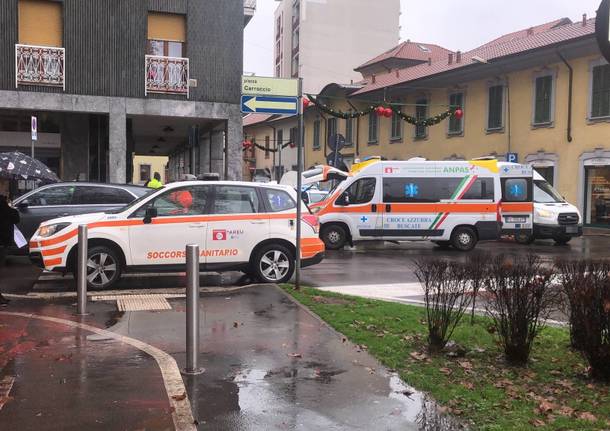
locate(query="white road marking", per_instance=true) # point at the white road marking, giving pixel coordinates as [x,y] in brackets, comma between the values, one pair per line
[6,384]
[390,292]
[182,415]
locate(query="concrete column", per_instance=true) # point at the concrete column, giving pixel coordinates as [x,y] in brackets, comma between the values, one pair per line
[217,153]
[234,139]
[75,147]
[117,145]
[204,153]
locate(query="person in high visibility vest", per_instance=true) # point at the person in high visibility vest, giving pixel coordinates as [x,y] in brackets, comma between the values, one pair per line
[155,183]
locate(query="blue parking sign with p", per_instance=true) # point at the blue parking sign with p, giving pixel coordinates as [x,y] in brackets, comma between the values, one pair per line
[512,157]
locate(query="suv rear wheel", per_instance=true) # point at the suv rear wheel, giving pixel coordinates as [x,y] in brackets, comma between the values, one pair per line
[334,237]
[103,267]
[524,238]
[464,238]
[273,263]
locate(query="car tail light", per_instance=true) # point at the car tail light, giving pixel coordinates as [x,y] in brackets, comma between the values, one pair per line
[312,220]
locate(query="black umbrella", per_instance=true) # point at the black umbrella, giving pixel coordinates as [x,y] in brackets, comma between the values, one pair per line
[18,166]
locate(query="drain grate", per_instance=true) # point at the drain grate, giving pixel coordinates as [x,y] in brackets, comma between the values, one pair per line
[138,302]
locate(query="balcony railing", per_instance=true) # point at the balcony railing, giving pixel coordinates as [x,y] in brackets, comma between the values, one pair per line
[167,75]
[39,65]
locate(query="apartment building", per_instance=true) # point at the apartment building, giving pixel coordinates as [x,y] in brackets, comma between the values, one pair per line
[324,41]
[110,79]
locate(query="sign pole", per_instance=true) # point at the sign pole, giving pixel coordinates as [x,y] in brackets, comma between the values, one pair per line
[34,124]
[297,277]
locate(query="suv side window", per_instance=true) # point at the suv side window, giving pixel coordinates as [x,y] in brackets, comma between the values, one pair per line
[279,200]
[235,200]
[362,191]
[191,200]
[61,195]
[97,195]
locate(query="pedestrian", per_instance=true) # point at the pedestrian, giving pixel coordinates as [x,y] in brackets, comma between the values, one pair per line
[155,183]
[9,217]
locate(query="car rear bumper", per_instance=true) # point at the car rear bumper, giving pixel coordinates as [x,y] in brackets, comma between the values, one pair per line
[312,260]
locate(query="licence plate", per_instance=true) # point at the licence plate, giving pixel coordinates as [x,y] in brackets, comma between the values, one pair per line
[516,219]
[571,229]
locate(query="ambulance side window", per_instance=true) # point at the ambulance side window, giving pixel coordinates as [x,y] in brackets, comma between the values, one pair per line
[482,188]
[280,200]
[192,200]
[362,191]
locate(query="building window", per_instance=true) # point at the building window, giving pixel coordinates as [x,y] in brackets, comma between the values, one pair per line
[316,135]
[456,127]
[331,126]
[278,27]
[40,23]
[543,99]
[396,128]
[495,117]
[144,173]
[349,132]
[294,135]
[295,66]
[295,39]
[600,91]
[166,34]
[280,138]
[267,147]
[421,113]
[373,128]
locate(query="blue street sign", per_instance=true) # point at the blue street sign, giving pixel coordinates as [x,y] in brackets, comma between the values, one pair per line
[512,157]
[269,105]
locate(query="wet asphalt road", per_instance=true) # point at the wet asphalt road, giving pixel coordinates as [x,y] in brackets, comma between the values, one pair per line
[366,264]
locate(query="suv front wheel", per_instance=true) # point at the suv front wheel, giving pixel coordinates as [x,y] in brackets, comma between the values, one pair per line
[103,267]
[274,263]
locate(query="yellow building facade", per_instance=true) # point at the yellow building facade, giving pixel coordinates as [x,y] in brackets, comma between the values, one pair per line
[548,106]
[144,167]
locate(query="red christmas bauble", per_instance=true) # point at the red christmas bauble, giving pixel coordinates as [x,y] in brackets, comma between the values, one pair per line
[380,110]
[306,102]
[246,144]
[459,113]
[387,112]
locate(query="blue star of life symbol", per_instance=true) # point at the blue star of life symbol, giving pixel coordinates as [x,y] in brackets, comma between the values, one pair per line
[506,169]
[364,219]
[516,190]
[411,190]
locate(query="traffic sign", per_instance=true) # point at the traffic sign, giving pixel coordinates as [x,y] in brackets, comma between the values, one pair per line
[336,142]
[334,159]
[270,105]
[34,128]
[602,28]
[512,157]
[264,86]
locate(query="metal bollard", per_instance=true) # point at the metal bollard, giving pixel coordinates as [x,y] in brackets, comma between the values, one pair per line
[192,310]
[81,271]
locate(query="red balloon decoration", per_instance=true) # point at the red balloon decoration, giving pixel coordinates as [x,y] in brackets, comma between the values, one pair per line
[387,112]
[306,102]
[459,113]
[247,144]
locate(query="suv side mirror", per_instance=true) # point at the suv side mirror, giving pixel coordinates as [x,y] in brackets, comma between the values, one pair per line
[343,200]
[150,214]
[23,204]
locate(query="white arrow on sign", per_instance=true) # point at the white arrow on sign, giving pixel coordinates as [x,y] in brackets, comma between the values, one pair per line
[270,105]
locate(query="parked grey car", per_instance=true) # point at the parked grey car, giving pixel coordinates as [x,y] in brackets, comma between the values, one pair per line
[66,199]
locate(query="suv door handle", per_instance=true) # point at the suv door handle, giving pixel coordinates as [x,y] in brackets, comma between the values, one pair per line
[388,208]
[196,225]
[257,222]
[62,215]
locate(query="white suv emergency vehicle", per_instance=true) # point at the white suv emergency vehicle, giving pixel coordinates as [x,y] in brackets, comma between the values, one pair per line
[452,203]
[238,226]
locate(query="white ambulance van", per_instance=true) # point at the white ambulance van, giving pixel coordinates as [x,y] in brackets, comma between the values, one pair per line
[248,227]
[452,203]
[554,217]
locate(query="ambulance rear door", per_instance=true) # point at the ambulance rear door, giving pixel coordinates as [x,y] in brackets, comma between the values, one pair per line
[516,207]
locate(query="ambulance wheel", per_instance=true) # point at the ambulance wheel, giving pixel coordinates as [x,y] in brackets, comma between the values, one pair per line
[524,238]
[334,237]
[463,238]
[274,263]
[103,267]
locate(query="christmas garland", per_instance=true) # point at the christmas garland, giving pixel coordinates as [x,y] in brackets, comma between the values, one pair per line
[338,113]
[271,150]
[430,121]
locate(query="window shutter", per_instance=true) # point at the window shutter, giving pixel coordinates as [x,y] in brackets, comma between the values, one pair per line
[40,23]
[166,26]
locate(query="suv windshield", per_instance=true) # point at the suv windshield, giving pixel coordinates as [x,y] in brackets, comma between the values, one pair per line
[132,203]
[544,193]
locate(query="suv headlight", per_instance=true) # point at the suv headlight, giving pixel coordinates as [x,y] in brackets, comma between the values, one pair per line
[52,229]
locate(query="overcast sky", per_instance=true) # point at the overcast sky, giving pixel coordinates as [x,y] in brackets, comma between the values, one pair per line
[454,24]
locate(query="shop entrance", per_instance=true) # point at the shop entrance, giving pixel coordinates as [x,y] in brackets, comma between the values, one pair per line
[597,195]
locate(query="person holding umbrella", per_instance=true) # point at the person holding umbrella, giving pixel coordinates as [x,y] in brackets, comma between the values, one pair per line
[9,217]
